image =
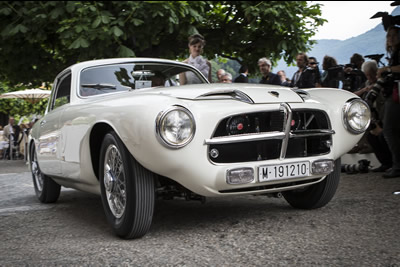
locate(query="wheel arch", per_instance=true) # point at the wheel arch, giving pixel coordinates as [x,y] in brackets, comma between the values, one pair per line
[97,134]
[29,148]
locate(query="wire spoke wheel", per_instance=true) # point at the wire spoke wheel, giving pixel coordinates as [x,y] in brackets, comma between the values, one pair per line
[36,173]
[47,191]
[114,181]
[127,189]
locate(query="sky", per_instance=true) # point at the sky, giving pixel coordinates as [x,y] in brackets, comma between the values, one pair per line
[348,19]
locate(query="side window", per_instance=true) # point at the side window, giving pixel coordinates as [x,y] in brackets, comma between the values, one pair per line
[62,92]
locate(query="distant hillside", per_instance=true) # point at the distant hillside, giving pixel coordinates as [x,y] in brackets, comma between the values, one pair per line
[370,42]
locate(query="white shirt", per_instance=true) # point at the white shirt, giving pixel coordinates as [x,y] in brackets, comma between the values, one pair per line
[199,63]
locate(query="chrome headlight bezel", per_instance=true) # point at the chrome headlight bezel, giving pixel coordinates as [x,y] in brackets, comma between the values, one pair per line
[162,129]
[350,113]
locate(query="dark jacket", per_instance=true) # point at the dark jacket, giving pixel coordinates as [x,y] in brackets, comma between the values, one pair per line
[307,79]
[241,79]
[271,79]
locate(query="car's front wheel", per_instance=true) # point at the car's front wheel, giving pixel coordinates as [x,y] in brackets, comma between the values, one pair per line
[127,189]
[47,191]
[317,195]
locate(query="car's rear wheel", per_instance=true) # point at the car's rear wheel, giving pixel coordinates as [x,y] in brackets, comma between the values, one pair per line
[317,195]
[127,189]
[47,191]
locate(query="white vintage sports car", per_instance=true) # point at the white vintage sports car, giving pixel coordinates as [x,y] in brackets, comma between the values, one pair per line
[124,128]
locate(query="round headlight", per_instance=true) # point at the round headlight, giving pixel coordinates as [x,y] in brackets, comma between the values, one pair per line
[356,116]
[175,127]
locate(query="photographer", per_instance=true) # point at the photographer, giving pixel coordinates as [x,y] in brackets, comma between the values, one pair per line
[372,95]
[353,76]
[332,72]
[387,77]
[304,77]
[313,64]
[370,70]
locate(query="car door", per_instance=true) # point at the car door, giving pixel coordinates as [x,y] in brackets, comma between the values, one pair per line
[49,153]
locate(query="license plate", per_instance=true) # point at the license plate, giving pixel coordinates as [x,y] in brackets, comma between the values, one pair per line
[283,171]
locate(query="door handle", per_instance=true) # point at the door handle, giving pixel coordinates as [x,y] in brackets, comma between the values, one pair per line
[42,123]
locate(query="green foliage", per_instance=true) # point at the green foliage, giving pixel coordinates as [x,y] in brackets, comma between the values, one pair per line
[231,66]
[250,30]
[38,39]
[21,107]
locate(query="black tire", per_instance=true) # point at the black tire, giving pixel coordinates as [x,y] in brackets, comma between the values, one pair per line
[127,189]
[317,195]
[47,191]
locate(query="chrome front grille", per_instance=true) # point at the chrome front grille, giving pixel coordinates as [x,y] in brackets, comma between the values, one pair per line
[284,133]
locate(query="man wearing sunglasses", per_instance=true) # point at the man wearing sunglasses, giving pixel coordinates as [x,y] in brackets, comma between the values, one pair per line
[313,64]
[305,77]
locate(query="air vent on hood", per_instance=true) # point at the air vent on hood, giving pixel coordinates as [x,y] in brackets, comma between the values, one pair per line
[302,93]
[223,94]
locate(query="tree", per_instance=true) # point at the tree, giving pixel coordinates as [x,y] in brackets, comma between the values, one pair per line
[19,106]
[38,39]
[248,30]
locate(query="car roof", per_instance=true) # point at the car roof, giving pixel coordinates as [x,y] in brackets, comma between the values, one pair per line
[107,61]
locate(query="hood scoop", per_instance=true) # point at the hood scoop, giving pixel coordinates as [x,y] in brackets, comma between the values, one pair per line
[227,94]
[245,93]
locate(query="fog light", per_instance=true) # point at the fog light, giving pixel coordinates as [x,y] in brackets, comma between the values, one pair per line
[322,166]
[214,153]
[328,143]
[240,176]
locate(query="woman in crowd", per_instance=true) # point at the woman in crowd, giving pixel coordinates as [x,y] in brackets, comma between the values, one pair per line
[196,45]
[391,125]
[327,79]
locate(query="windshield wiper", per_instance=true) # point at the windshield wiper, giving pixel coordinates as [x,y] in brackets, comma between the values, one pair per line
[100,86]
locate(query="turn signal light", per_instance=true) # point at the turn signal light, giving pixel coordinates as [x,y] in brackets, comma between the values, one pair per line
[322,166]
[240,176]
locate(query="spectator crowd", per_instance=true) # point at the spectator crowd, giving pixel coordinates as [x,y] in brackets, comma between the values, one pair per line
[376,85]
[13,139]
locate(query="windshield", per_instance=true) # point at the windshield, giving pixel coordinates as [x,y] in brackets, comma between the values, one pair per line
[132,76]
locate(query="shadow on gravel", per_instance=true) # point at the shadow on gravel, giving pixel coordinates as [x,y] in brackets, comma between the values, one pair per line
[81,213]
[218,213]
[84,211]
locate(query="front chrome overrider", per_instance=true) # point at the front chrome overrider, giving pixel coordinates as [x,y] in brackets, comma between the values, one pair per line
[287,119]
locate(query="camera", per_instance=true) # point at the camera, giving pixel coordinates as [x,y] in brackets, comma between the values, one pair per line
[362,167]
[384,85]
[376,57]
[335,74]
[388,20]
[353,79]
[314,72]
[372,95]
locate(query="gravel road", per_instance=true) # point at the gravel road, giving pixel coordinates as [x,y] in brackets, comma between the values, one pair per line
[359,227]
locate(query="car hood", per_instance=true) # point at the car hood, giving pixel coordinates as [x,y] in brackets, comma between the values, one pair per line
[251,93]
